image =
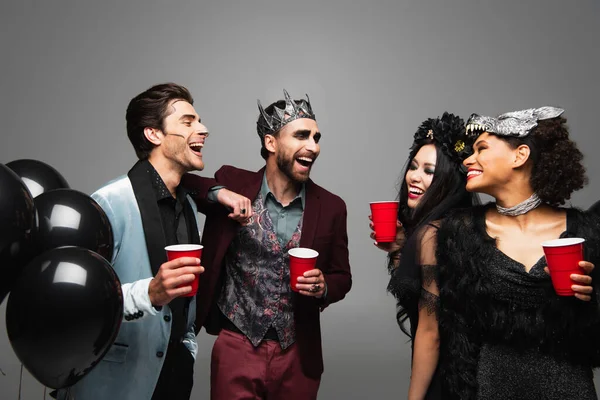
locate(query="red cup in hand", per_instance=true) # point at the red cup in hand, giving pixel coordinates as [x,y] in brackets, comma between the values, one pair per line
[301,261]
[562,257]
[186,250]
[384,215]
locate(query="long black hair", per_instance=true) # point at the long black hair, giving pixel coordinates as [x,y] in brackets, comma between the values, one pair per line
[446,192]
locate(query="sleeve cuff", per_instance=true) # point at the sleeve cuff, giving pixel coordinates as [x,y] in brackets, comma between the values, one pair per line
[212,193]
[325,293]
[136,301]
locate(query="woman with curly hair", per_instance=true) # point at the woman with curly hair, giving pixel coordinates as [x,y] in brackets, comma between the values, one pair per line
[505,333]
[433,183]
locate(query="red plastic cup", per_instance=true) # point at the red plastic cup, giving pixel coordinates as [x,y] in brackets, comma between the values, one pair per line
[385,217]
[301,260]
[562,257]
[186,250]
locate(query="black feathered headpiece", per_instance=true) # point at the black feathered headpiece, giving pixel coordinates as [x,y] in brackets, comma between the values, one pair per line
[449,132]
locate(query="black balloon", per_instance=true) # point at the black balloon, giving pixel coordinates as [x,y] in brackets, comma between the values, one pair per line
[67,217]
[17,220]
[63,314]
[38,176]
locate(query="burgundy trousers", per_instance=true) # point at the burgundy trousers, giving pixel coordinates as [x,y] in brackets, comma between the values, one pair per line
[240,371]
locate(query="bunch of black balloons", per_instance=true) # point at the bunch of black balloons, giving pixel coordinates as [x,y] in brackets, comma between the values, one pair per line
[65,304]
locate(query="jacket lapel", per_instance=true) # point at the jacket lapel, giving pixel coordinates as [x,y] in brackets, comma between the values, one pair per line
[310,217]
[146,200]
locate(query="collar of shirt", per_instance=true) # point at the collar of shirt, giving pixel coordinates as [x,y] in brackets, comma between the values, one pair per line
[160,188]
[265,192]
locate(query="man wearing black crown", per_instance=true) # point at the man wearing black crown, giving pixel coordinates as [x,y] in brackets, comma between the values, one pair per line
[269,337]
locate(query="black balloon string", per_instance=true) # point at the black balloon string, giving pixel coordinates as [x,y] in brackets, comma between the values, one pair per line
[20,381]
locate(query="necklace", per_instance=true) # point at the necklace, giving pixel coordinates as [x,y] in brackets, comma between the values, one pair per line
[521,208]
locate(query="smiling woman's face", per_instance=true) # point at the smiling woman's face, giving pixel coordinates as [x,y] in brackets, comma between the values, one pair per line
[491,164]
[420,174]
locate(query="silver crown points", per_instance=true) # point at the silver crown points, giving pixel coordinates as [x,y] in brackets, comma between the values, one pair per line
[294,109]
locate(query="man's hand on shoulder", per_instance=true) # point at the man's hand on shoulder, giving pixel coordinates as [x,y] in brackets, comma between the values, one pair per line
[240,206]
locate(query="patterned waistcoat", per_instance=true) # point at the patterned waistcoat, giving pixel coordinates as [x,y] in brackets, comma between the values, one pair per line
[257,293]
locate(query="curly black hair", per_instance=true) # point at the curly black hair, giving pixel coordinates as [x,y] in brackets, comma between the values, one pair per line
[557,168]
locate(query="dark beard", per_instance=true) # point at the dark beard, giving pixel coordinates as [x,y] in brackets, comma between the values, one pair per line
[287,167]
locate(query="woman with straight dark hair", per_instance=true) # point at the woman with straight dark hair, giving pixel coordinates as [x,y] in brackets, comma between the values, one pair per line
[433,183]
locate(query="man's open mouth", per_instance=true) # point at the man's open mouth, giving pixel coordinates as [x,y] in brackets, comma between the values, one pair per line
[197,147]
[305,161]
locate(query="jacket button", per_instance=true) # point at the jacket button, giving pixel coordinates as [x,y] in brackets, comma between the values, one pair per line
[167,318]
[159,354]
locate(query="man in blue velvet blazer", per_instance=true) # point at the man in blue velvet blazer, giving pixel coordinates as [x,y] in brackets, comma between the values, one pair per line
[153,355]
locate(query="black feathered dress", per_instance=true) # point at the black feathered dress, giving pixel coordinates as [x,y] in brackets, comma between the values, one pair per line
[504,333]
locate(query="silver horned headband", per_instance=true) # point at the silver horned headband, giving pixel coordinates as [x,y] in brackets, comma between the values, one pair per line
[276,118]
[516,123]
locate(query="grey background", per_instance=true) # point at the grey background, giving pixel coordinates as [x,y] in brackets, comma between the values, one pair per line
[373,69]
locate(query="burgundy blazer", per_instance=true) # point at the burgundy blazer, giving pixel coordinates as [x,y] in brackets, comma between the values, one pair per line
[324,230]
